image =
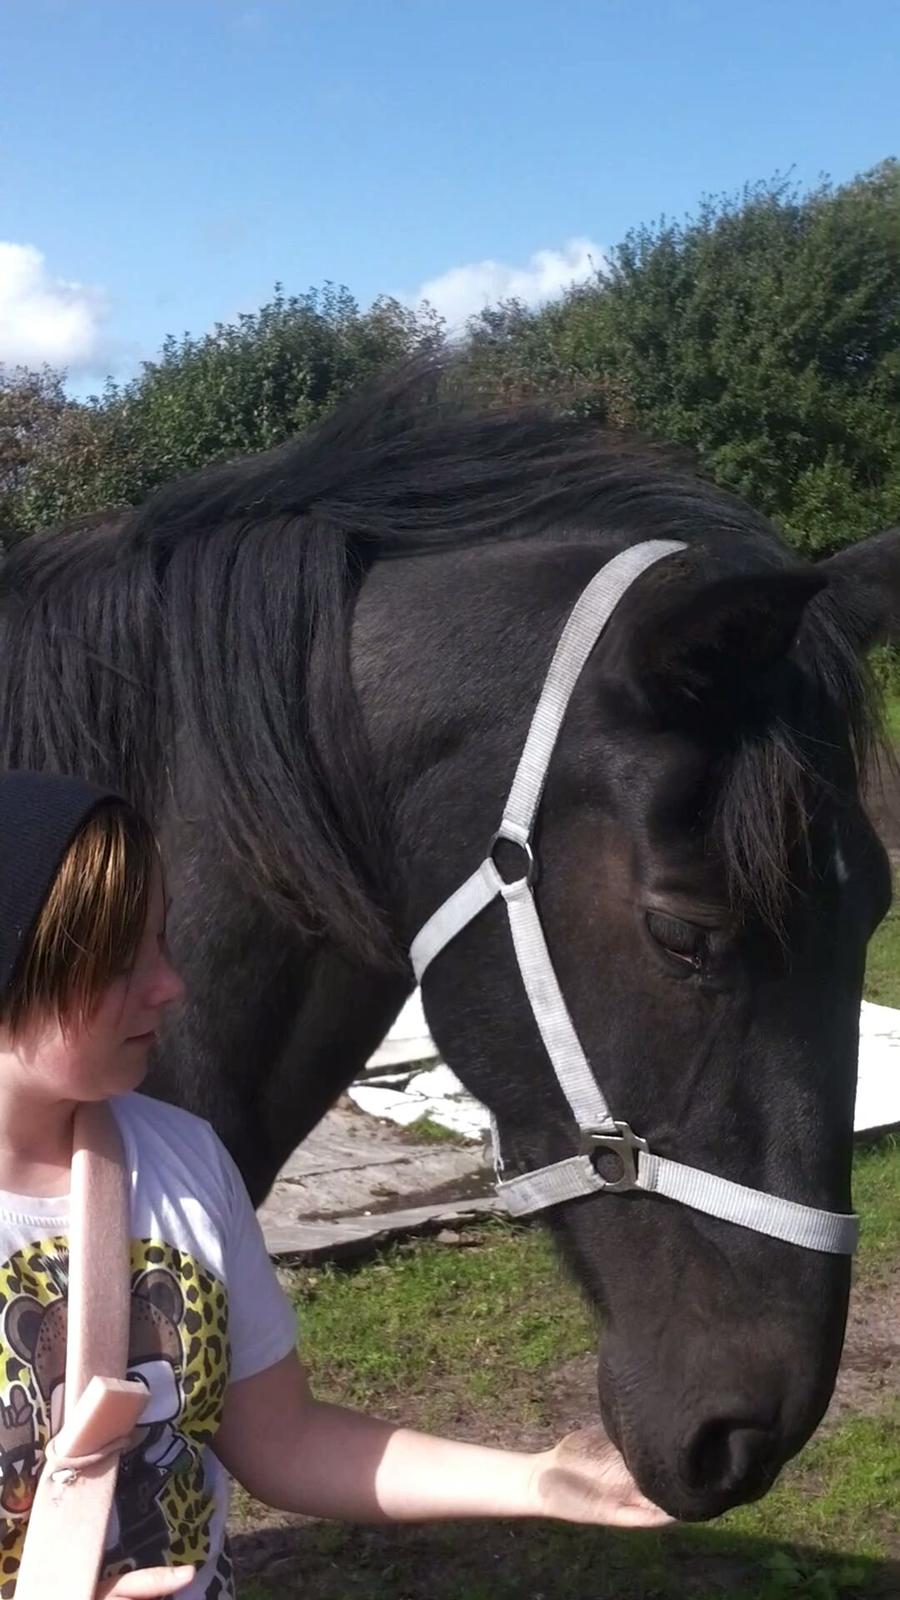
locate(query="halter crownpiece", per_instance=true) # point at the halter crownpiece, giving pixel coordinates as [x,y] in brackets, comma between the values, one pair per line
[599,1132]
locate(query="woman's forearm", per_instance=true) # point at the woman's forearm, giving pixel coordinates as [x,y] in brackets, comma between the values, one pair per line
[353,1467]
[299,1454]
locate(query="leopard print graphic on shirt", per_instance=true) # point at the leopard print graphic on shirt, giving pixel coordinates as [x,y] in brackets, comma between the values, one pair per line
[178,1347]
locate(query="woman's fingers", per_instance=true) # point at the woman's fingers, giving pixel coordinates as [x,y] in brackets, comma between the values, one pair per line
[585,1479]
[150,1583]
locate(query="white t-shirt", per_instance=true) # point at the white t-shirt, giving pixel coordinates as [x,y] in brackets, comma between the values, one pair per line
[206,1310]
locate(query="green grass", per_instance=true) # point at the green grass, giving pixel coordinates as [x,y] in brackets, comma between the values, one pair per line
[426,1131]
[517,1563]
[883,968]
[844,1492]
[474,1318]
[876,1194]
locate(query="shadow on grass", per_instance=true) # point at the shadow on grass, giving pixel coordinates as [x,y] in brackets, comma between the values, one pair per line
[518,1561]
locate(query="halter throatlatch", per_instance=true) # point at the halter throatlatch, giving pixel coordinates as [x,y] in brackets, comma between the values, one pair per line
[600,1134]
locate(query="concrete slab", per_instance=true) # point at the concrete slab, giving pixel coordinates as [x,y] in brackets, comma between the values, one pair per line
[306,1242]
[353,1164]
[356,1179]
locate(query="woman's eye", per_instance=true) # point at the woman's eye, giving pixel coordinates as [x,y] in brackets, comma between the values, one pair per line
[683,940]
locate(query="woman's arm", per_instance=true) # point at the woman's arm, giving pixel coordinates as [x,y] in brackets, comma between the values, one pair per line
[298,1454]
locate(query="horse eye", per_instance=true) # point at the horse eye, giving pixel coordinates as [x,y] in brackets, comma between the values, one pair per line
[683,940]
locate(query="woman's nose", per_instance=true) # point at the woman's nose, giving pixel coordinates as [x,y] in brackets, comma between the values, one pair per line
[168,986]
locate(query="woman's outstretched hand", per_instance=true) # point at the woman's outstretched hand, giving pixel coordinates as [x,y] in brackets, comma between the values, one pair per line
[150,1583]
[585,1479]
[302,1455]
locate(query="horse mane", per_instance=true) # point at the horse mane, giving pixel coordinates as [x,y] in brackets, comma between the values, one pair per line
[214,621]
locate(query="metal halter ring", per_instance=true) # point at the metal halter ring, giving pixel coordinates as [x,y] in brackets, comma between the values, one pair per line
[624,1145]
[529,874]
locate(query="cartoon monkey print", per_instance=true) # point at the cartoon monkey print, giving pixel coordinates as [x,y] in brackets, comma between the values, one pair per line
[37,1333]
[178,1350]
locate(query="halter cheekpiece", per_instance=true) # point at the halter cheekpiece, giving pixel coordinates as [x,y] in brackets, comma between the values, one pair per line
[600,1134]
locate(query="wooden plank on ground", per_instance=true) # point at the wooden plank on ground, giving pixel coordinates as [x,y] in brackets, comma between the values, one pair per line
[352,1236]
[356,1181]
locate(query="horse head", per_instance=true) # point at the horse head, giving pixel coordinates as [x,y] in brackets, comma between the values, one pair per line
[706,880]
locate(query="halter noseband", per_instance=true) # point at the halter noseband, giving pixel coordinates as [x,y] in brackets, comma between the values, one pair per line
[599,1131]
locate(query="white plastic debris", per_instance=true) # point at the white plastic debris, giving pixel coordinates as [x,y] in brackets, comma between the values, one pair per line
[395,1104]
[408,1040]
[440,1083]
[436,1093]
[878,1090]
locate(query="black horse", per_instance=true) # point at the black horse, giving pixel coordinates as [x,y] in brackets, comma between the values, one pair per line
[316,669]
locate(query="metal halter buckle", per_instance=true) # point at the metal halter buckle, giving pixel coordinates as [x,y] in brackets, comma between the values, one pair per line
[518,844]
[624,1145]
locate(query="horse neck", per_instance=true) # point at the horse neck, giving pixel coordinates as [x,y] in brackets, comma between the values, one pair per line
[277,1021]
[343,1013]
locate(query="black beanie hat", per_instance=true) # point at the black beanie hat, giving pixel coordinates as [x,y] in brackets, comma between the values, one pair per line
[40,815]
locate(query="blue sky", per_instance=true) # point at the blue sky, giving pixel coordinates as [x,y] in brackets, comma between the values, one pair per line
[162,164]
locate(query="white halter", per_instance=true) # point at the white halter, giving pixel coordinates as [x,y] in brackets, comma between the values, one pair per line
[598,1129]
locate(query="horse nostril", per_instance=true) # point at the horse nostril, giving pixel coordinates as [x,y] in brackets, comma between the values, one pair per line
[728,1456]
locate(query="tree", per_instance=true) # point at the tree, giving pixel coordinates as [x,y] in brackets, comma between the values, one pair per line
[244,387]
[764,333]
[32,405]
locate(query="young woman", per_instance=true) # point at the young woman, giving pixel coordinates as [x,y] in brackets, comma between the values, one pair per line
[84,980]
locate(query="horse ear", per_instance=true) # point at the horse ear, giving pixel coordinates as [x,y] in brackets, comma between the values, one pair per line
[708,650]
[864,586]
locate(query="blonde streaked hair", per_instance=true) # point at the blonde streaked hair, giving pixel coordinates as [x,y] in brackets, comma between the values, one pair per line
[92,920]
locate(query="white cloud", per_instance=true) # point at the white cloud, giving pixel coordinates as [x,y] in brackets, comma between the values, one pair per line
[462,291]
[44,318]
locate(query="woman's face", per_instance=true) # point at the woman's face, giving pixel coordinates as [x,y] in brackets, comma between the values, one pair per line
[108,1052]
